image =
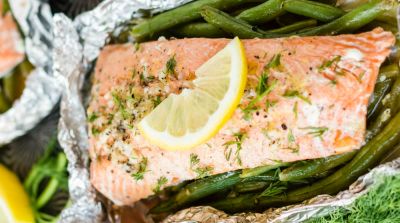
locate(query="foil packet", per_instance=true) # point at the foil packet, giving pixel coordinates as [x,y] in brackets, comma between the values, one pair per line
[76,46]
[42,90]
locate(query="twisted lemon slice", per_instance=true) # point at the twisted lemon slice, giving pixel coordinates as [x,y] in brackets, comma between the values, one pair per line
[191,118]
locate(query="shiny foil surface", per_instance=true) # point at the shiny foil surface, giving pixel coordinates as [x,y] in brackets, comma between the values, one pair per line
[76,45]
[42,90]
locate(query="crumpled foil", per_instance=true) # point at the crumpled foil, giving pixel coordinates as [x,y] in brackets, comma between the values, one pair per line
[42,90]
[76,45]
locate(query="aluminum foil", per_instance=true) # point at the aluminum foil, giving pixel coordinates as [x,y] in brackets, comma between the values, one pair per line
[76,45]
[42,90]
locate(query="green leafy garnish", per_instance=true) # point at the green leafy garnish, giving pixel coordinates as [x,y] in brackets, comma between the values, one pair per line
[156,101]
[380,204]
[316,131]
[92,117]
[142,169]
[203,171]
[275,188]
[194,160]
[296,94]
[239,138]
[274,62]
[329,63]
[291,138]
[295,110]
[160,182]
[95,130]
[170,66]
[137,46]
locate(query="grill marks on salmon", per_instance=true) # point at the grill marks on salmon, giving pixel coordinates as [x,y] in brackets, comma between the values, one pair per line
[317,107]
[11,46]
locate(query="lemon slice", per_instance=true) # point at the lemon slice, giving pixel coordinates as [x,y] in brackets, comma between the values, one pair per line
[195,115]
[14,202]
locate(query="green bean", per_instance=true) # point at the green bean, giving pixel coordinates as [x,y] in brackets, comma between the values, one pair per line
[183,14]
[233,26]
[351,21]
[263,12]
[392,155]
[199,189]
[369,156]
[314,167]
[260,170]
[294,27]
[4,103]
[390,107]
[315,10]
[246,187]
[384,83]
[199,29]
[380,91]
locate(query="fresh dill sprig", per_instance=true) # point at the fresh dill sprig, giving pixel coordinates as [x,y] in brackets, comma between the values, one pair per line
[92,117]
[380,204]
[262,88]
[170,66]
[329,63]
[316,131]
[203,171]
[239,138]
[194,160]
[160,182]
[275,62]
[200,171]
[291,137]
[294,94]
[274,189]
[142,169]
[295,110]
[156,101]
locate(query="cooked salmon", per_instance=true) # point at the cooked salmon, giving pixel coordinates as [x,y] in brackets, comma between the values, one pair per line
[11,46]
[317,107]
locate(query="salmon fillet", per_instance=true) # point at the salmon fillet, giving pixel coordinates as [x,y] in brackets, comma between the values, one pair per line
[11,46]
[317,107]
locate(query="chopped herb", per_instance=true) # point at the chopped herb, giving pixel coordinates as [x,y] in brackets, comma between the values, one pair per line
[269,104]
[295,149]
[274,62]
[334,81]
[92,117]
[294,93]
[170,66]
[142,169]
[146,80]
[95,130]
[291,138]
[360,77]
[110,118]
[295,110]
[160,182]
[275,188]
[137,46]
[239,138]
[262,85]
[329,63]
[203,171]
[200,171]
[316,131]
[120,102]
[252,106]
[194,160]
[156,101]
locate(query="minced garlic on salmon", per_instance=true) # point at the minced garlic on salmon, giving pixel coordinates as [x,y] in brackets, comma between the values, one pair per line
[11,46]
[306,98]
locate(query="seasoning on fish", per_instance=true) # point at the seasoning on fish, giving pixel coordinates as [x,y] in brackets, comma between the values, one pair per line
[305,98]
[11,45]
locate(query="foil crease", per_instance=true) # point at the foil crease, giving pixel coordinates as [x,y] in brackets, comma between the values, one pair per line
[42,90]
[77,45]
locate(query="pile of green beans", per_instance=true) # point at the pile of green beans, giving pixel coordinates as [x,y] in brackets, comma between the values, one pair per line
[286,183]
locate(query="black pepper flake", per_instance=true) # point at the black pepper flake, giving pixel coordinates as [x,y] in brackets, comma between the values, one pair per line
[290,53]
[310,68]
[284,127]
[257,57]
[257,113]
[109,157]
